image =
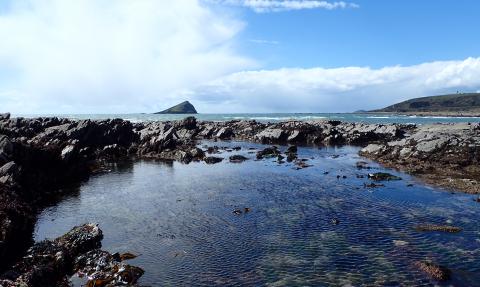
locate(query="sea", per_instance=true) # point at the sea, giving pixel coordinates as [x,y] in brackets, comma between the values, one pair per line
[272,117]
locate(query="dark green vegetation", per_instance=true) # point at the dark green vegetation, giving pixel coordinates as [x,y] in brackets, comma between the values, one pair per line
[453,103]
[182,108]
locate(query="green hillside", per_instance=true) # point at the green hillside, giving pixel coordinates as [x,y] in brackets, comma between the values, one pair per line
[452,103]
[182,108]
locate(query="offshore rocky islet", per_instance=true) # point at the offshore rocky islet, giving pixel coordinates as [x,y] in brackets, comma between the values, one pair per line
[40,155]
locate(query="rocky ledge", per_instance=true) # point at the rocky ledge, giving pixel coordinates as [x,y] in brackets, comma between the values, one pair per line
[38,156]
[51,262]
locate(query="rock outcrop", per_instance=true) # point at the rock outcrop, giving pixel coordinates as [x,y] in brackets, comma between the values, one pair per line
[447,155]
[51,262]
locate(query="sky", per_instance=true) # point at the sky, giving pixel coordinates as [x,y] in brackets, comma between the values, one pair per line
[233,56]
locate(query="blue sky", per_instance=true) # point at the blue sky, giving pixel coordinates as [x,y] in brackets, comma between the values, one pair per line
[106,56]
[378,33]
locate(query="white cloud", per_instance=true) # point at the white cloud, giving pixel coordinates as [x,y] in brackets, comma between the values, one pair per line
[110,56]
[265,42]
[124,56]
[264,6]
[335,90]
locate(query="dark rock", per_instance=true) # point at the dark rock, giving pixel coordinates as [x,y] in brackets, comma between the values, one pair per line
[9,172]
[48,262]
[291,153]
[291,157]
[268,152]
[212,149]
[237,158]
[271,136]
[212,159]
[4,116]
[383,176]
[6,149]
[114,151]
[297,136]
[104,269]
[292,149]
[68,152]
[189,123]
[225,133]
[197,153]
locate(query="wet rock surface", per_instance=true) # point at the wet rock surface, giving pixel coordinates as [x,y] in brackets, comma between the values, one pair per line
[446,155]
[100,268]
[381,176]
[51,262]
[38,156]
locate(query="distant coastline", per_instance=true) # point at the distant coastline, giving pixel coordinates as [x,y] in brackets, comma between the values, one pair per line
[462,114]
[450,105]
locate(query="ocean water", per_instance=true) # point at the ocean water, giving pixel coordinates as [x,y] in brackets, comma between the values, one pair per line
[274,117]
[179,218]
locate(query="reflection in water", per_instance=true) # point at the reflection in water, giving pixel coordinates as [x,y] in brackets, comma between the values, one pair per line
[303,227]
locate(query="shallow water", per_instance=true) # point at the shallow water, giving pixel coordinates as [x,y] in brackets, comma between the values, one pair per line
[179,218]
[276,117]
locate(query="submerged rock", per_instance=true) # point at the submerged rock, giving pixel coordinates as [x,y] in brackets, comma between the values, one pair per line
[442,228]
[435,271]
[362,165]
[300,164]
[373,185]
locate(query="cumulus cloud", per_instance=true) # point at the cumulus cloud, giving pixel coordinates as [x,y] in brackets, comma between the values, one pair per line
[335,90]
[110,56]
[264,6]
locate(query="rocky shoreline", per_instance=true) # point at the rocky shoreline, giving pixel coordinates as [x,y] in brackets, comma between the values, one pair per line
[39,156]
